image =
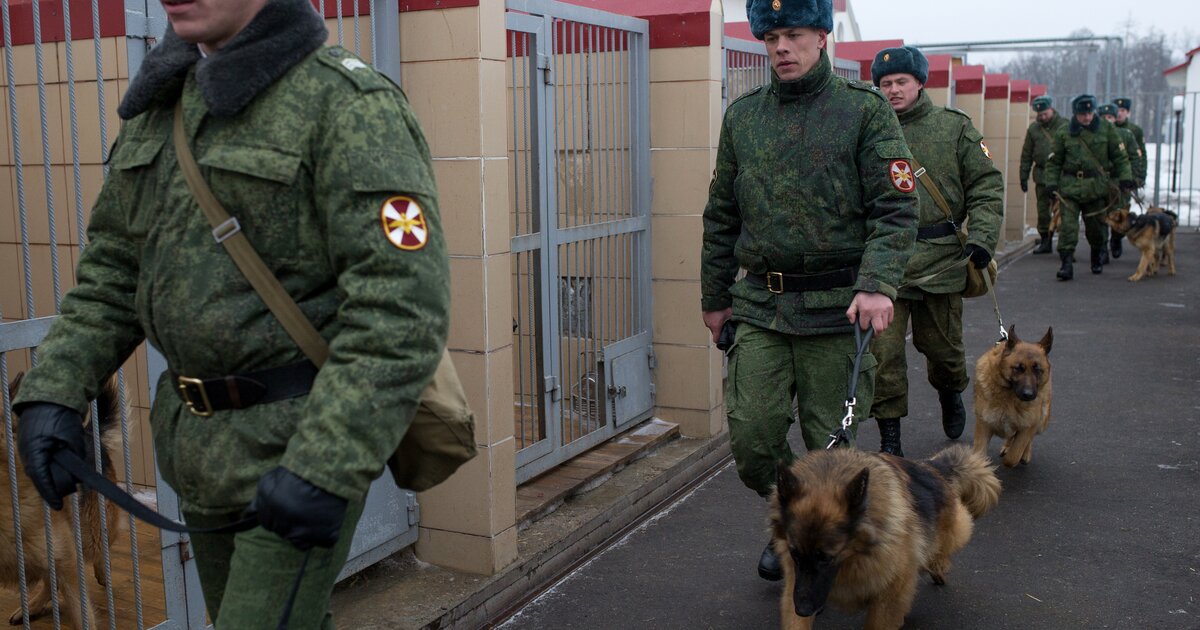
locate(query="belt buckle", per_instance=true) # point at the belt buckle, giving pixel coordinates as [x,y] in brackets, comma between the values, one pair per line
[775,279]
[1080,175]
[184,382]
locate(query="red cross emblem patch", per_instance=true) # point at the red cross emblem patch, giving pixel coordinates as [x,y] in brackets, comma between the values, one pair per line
[404,223]
[902,176]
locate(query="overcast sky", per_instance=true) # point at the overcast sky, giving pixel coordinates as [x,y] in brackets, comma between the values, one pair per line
[942,21]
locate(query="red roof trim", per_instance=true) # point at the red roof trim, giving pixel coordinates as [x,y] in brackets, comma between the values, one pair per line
[673,23]
[112,20]
[968,79]
[1019,91]
[995,86]
[414,5]
[1036,90]
[740,30]
[865,51]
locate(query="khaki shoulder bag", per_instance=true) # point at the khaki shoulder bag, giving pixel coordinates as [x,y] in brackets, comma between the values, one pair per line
[441,436]
[976,284]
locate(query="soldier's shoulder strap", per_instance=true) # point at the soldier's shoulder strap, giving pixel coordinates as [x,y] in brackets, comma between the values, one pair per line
[354,69]
[748,93]
[955,110]
[866,86]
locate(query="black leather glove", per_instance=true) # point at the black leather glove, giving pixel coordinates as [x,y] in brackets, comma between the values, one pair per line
[978,255]
[1141,183]
[298,511]
[43,429]
[1052,190]
[1025,185]
[1128,185]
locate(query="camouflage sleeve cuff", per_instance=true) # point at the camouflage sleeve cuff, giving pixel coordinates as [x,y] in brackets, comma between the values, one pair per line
[867,284]
[709,304]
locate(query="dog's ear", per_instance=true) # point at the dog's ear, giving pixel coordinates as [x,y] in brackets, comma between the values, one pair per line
[1012,338]
[786,484]
[14,386]
[1047,340]
[856,492]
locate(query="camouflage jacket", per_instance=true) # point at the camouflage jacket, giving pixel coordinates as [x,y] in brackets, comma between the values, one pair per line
[1087,162]
[1039,142]
[1135,149]
[803,184]
[1139,151]
[952,151]
[308,166]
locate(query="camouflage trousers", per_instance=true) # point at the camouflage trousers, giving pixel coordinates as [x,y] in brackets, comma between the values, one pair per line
[1094,227]
[1044,213]
[937,334]
[247,577]
[767,370]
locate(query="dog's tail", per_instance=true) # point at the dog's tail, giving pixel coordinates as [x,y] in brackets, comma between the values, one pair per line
[972,476]
[108,420]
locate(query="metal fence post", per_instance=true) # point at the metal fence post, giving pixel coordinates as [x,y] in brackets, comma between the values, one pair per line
[385,37]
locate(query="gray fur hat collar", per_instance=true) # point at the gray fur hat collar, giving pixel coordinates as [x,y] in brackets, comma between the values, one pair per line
[282,34]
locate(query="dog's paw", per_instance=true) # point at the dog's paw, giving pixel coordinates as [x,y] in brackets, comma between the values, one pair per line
[940,580]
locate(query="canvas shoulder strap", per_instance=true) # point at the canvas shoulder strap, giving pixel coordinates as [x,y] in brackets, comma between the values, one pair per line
[228,232]
[1095,160]
[932,188]
[1049,138]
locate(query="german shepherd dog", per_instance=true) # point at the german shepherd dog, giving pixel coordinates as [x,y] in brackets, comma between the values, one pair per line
[856,528]
[33,530]
[1153,233]
[1012,396]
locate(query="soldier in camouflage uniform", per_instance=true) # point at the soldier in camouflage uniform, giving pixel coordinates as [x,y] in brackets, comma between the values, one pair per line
[813,196]
[1137,162]
[1039,140]
[322,162]
[1137,153]
[1088,162]
[954,167]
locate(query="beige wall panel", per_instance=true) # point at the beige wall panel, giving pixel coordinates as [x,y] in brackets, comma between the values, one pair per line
[83,57]
[473,554]
[36,204]
[479,498]
[91,150]
[29,118]
[681,369]
[467,317]
[697,63]
[25,64]
[676,247]
[360,44]
[685,114]
[497,228]
[675,301]
[939,96]
[445,98]
[9,227]
[460,198]
[681,180]
[445,34]
[695,423]
[972,104]
[12,283]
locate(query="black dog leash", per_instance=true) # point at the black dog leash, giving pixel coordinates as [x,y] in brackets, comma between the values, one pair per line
[111,491]
[862,340]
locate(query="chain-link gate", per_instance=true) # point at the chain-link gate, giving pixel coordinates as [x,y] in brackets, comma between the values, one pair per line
[65,66]
[578,147]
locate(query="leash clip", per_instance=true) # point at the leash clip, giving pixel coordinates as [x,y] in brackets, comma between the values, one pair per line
[842,433]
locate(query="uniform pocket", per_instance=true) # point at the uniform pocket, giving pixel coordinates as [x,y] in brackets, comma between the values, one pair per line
[136,194]
[258,186]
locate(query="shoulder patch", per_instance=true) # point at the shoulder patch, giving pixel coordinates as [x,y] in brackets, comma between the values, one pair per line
[751,92]
[357,71]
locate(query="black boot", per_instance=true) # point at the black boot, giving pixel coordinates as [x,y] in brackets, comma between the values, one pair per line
[1067,271]
[889,436]
[768,564]
[1103,256]
[1044,247]
[954,416]
[1097,261]
[1114,244]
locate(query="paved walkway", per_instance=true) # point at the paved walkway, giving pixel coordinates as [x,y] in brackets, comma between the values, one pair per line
[1100,531]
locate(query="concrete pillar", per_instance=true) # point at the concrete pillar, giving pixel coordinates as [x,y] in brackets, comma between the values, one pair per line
[454,71]
[937,86]
[1018,123]
[995,134]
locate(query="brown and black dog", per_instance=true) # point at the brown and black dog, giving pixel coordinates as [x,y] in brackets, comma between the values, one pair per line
[856,529]
[1152,233]
[1012,395]
[33,529]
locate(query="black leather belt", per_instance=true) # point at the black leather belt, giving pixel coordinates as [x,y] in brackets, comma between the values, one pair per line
[204,397]
[1087,174]
[937,230]
[777,282]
